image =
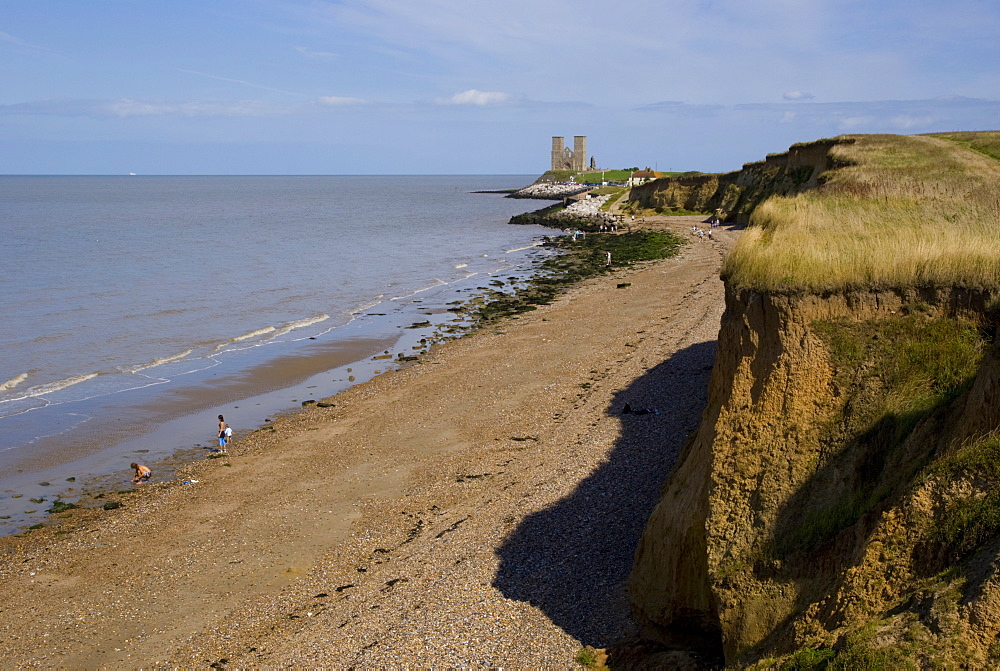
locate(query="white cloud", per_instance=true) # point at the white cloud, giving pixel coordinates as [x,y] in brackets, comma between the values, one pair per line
[17,42]
[239,81]
[519,44]
[130,108]
[856,122]
[878,116]
[318,55]
[475,97]
[908,122]
[339,101]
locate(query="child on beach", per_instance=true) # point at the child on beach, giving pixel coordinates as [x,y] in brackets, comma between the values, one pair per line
[223,435]
[142,473]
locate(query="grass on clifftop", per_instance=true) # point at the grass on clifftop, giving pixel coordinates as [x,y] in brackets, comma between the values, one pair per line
[984,142]
[901,211]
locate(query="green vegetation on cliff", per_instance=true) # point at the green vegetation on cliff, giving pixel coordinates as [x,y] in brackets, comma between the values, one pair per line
[914,595]
[897,211]
[591,176]
[588,176]
[889,375]
[839,506]
[972,519]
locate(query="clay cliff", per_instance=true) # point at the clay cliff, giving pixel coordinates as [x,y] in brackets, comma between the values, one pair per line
[839,505]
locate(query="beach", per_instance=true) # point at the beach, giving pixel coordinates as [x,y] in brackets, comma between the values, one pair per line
[477,508]
[139,309]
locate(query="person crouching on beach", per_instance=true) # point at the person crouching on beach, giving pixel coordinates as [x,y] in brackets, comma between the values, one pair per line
[142,473]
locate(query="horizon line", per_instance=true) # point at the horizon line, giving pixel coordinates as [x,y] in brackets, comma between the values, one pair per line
[373,174]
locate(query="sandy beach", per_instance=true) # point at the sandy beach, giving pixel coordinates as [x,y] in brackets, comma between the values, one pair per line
[478,508]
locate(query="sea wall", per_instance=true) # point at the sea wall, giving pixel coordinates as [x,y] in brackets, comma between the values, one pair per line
[737,193]
[583,213]
[839,497]
[549,191]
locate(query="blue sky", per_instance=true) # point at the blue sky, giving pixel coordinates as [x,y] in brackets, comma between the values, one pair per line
[470,86]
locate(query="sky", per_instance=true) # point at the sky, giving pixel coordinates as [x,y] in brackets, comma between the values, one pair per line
[476,86]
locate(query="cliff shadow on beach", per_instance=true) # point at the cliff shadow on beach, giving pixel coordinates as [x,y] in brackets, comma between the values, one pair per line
[572,559]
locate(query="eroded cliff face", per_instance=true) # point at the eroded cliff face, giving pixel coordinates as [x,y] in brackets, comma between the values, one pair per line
[737,193]
[840,494]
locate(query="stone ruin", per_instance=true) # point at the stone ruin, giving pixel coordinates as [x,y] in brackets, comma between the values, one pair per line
[574,159]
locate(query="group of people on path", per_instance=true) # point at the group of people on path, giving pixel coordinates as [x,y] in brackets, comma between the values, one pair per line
[700,233]
[143,473]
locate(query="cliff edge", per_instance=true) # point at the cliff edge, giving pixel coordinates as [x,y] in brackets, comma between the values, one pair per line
[738,193]
[839,505]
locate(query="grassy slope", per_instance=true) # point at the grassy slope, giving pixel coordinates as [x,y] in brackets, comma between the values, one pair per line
[903,211]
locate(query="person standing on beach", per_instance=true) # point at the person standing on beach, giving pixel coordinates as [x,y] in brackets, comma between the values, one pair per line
[222,433]
[142,473]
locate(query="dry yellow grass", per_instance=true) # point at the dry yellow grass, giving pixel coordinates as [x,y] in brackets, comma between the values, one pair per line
[905,211]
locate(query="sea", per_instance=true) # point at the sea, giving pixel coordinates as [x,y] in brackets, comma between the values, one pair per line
[135,309]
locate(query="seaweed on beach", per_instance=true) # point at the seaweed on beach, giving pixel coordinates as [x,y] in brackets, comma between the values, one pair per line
[60,507]
[540,217]
[579,259]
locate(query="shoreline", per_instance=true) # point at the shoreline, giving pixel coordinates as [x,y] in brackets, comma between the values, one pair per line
[167,425]
[399,523]
[299,250]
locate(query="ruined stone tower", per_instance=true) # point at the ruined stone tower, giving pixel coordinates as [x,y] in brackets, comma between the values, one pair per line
[564,158]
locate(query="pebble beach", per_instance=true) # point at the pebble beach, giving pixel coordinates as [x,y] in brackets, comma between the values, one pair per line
[478,508]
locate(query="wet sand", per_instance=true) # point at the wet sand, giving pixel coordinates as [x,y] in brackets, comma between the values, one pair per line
[478,508]
[171,412]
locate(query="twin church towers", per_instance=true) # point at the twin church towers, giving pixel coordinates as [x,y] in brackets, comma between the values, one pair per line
[575,159]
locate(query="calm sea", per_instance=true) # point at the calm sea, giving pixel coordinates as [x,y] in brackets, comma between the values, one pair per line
[119,293]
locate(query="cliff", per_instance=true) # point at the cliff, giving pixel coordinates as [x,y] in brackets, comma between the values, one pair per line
[838,506]
[738,193]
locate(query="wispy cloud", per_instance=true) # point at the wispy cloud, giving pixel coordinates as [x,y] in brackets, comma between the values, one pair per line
[674,108]
[7,38]
[244,108]
[241,81]
[516,44]
[475,97]
[855,123]
[892,116]
[339,101]
[318,55]
[906,122]
[126,107]
[880,116]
